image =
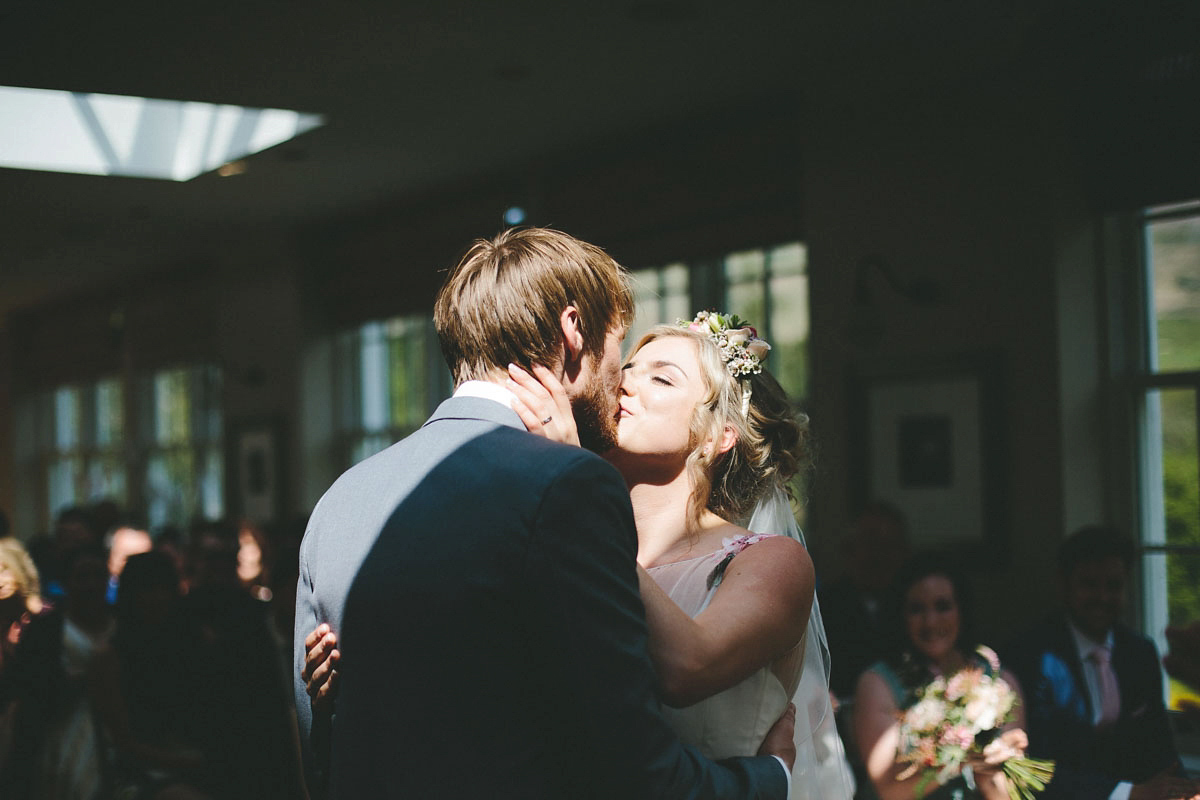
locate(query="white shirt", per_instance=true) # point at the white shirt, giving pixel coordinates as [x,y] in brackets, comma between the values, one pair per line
[1084,645]
[486,390]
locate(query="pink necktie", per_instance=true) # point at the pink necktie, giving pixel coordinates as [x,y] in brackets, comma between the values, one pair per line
[1110,695]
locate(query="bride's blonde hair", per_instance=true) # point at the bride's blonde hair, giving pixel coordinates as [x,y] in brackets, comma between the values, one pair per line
[772,439]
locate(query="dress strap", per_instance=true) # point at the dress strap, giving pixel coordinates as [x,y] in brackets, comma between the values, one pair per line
[729,549]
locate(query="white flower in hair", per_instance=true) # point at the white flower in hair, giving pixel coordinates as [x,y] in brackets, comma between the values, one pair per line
[741,349]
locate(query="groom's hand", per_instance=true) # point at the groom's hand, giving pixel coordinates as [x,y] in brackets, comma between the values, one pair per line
[781,739]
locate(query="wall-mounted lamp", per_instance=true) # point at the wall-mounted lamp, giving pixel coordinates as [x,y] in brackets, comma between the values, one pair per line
[872,273]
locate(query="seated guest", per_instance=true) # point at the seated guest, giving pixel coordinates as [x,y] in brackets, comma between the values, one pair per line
[1093,687]
[144,687]
[859,608]
[57,750]
[126,538]
[937,644]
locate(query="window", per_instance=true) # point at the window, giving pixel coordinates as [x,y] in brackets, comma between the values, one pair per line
[82,438]
[390,377]
[180,417]
[169,466]
[768,286]
[1169,406]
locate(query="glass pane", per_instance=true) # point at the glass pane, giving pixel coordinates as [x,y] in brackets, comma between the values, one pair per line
[171,482]
[408,372]
[744,291]
[373,365]
[1174,258]
[788,331]
[110,413]
[1180,471]
[676,296]
[1178,574]
[106,478]
[64,479]
[172,407]
[68,418]
[211,496]
[661,296]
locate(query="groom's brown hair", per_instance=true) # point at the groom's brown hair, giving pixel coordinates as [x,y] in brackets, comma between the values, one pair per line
[502,303]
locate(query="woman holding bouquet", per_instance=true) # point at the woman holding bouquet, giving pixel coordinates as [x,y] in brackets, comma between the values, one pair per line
[923,719]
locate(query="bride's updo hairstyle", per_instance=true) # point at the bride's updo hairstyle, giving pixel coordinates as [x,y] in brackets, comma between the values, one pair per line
[772,439]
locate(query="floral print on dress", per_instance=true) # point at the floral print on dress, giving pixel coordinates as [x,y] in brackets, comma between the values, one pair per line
[729,549]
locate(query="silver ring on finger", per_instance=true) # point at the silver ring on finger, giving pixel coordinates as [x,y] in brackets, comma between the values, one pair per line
[546,421]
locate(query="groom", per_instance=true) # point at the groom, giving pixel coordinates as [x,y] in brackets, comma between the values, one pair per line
[482,580]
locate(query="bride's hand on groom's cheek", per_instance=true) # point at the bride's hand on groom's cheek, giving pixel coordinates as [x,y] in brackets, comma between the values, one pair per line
[320,673]
[542,404]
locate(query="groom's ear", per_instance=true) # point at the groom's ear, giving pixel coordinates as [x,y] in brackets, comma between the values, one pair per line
[572,335]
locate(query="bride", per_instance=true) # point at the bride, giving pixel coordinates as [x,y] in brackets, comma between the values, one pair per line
[706,437]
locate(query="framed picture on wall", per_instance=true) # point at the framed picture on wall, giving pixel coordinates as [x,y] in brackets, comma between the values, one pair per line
[928,441]
[256,463]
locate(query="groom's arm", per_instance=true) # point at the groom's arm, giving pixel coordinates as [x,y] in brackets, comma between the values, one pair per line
[314,741]
[582,570]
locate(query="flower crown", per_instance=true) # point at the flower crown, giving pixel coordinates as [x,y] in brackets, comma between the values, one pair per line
[741,349]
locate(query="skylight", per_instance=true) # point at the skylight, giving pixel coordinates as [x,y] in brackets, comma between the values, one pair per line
[106,134]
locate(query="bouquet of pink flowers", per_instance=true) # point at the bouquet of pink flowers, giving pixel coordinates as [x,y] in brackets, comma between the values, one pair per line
[959,716]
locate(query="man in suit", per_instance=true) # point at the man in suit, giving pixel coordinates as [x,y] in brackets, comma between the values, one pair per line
[861,612]
[1093,687]
[482,580]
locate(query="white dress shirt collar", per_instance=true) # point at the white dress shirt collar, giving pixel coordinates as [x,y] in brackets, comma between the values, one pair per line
[487,390]
[1085,644]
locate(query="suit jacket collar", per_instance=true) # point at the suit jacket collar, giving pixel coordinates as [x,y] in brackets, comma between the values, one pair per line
[477,408]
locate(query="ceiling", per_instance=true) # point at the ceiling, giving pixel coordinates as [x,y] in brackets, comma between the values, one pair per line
[419,95]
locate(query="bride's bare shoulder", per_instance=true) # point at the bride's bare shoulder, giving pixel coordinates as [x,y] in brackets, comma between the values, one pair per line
[777,559]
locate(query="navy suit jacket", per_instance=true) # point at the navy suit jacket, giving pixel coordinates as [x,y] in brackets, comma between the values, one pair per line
[1058,709]
[482,581]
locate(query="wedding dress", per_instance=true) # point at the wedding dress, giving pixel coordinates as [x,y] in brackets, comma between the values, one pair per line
[735,721]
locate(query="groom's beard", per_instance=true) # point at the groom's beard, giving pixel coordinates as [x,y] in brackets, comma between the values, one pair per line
[595,418]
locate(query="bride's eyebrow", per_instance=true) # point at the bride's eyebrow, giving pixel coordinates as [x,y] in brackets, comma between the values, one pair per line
[661,364]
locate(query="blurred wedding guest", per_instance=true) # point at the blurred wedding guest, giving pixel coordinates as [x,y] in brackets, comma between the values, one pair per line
[73,530]
[56,750]
[126,538]
[19,563]
[248,734]
[20,602]
[285,570]
[1093,687]
[144,687]
[254,559]
[861,618]
[937,643]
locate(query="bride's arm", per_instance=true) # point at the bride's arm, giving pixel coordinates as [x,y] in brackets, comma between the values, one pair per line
[759,613]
